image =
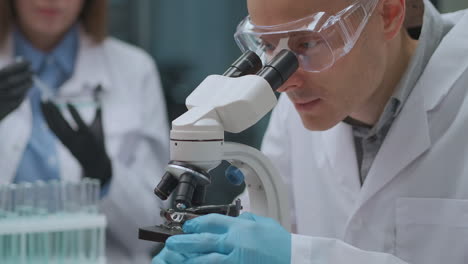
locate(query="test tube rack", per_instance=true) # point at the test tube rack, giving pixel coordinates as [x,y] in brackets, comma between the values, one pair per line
[51,223]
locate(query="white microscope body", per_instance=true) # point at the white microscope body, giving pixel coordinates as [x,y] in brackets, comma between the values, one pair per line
[221,103]
[231,104]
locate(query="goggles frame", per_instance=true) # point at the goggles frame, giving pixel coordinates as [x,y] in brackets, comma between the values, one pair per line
[333,36]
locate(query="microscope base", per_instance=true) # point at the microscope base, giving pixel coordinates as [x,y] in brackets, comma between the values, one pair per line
[156,233]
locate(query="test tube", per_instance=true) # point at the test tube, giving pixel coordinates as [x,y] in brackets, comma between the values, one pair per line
[79,236]
[68,208]
[86,191]
[46,92]
[3,192]
[95,234]
[5,202]
[41,198]
[11,204]
[10,241]
[25,199]
[94,195]
[25,208]
[56,199]
[71,197]
[101,243]
[42,207]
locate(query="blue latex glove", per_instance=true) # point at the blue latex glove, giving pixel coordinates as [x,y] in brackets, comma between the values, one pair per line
[167,256]
[217,239]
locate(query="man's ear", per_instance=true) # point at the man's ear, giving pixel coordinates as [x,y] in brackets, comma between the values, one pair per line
[393,15]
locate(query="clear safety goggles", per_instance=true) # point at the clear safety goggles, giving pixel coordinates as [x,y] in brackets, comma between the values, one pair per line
[318,40]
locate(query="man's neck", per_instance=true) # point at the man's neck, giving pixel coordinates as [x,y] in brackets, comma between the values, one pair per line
[397,64]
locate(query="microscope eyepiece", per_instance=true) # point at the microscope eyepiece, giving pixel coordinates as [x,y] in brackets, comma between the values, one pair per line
[280,68]
[248,63]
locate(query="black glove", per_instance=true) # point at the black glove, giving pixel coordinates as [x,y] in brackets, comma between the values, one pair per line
[86,143]
[15,81]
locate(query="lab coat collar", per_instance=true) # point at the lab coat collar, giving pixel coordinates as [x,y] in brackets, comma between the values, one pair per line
[409,136]
[341,155]
[448,63]
[63,55]
[407,139]
[91,67]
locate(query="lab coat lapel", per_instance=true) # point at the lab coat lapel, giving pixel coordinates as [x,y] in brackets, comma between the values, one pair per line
[409,136]
[448,63]
[341,155]
[406,140]
[91,68]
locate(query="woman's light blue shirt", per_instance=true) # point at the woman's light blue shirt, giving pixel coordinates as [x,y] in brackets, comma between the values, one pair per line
[40,159]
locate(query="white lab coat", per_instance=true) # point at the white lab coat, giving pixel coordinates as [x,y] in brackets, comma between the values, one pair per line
[413,206]
[136,138]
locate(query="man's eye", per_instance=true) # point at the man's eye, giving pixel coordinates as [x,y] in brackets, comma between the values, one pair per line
[269,46]
[266,45]
[308,45]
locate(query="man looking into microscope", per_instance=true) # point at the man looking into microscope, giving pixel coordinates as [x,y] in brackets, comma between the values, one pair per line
[370,140]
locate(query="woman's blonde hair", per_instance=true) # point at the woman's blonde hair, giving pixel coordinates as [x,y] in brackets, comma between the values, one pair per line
[93,17]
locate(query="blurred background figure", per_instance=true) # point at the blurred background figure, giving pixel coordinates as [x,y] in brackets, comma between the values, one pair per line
[96,109]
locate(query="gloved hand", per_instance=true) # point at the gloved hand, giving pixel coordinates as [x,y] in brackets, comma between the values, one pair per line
[217,239]
[167,256]
[86,143]
[15,81]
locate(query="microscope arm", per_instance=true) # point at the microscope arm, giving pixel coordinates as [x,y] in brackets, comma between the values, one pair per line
[268,194]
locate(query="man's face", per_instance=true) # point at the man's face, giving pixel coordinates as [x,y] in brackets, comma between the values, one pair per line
[325,98]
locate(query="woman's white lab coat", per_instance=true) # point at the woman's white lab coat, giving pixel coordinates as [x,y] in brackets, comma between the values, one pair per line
[413,206]
[136,133]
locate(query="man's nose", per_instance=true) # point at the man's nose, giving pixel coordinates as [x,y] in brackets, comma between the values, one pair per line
[295,81]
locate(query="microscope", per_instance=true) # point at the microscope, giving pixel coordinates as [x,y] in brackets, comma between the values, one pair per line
[230,102]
